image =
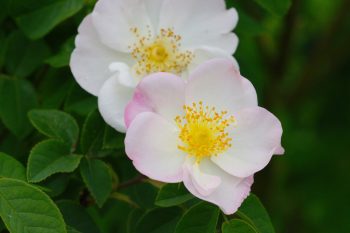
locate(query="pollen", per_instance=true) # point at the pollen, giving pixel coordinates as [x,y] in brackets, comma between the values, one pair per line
[160,53]
[203,131]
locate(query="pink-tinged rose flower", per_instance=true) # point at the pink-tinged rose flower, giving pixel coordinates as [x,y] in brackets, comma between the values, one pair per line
[207,132]
[121,41]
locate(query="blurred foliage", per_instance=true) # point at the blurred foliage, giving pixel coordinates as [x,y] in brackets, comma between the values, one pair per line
[295,53]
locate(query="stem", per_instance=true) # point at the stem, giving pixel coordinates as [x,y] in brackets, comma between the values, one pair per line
[225,217]
[131,182]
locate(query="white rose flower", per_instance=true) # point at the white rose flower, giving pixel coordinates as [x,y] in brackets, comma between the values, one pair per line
[122,41]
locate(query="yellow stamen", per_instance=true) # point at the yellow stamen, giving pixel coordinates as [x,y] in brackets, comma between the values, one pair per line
[159,54]
[203,131]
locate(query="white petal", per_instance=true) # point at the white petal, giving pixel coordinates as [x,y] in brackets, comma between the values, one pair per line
[90,59]
[153,9]
[227,42]
[112,101]
[124,74]
[114,19]
[205,53]
[181,14]
[231,192]
[151,142]
[201,22]
[255,139]
[162,93]
[218,84]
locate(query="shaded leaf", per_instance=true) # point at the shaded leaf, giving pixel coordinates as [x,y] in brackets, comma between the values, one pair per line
[92,133]
[23,56]
[11,168]
[160,220]
[17,97]
[113,139]
[133,218]
[277,7]
[237,226]
[39,20]
[144,194]
[254,213]
[72,230]
[172,195]
[201,218]
[25,208]
[50,157]
[98,179]
[77,217]
[79,101]
[62,58]
[55,184]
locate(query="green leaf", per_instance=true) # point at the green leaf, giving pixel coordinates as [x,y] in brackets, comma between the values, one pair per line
[76,216]
[37,21]
[92,133]
[72,230]
[134,216]
[172,195]
[97,178]
[24,56]
[11,168]
[79,101]
[17,97]
[53,88]
[112,139]
[201,218]
[55,124]
[237,226]
[160,220]
[24,208]
[62,58]
[50,157]
[55,184]
[277,7]
[253,212]
[2,226]
[144,194]
[3,47]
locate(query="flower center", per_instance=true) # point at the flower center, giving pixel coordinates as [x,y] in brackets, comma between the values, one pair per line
[158,53]
[203,131]
[161,53]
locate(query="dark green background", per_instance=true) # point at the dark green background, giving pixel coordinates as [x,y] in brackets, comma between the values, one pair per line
[299,65]
[298,62]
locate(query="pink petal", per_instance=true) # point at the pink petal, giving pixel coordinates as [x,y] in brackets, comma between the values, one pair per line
[204,184]
[162,93]
[151,143]
[231,192]
[218,83]
[255,139]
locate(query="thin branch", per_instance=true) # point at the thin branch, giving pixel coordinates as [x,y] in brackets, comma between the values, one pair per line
[131,182]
